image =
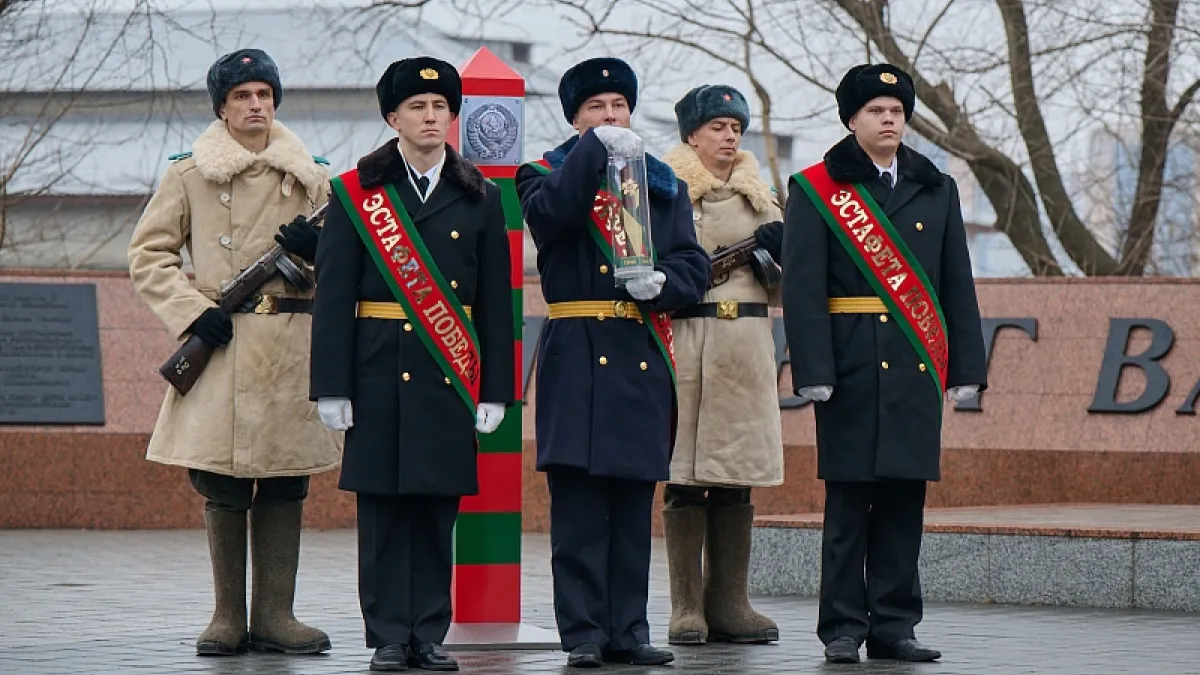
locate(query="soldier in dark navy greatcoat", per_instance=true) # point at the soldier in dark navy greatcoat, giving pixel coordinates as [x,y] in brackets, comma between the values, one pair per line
[391,377]
[878,403]
[605,391]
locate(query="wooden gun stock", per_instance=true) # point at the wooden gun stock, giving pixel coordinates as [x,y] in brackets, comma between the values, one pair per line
[188,362]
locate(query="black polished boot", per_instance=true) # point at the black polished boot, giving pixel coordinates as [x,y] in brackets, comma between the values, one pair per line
[390,659]
[431,656]
[842,650]
[641,655]
[906,649]
[585,656]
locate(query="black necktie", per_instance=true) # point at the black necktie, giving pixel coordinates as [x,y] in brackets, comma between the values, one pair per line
[886,177]
[422,183]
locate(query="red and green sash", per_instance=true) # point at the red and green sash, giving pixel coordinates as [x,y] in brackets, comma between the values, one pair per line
[415,280]
[893,271]
[659,322]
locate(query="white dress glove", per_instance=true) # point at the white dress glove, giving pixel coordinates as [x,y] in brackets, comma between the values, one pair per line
[959,394]
[647,286]
[488,417]
[619,141]
[336,413]
[820,392]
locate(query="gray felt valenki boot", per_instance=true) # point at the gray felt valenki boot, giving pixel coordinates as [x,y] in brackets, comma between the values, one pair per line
[684,529]
[226,633]
[726,598]
[275,545]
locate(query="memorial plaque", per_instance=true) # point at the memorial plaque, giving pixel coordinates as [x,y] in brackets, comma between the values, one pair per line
[50,355]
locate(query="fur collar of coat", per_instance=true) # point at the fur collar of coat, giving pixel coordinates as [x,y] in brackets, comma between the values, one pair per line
[385,165]
[661,179]
[744,179]
[847,162]
[219,157]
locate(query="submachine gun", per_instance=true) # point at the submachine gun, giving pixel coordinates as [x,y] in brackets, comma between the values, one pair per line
[189,361]
[725,259]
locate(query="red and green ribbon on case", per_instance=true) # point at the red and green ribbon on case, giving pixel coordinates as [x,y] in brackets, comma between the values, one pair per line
[658,322]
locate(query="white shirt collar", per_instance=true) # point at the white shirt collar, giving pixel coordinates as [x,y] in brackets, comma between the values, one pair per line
[434,174]
[890,169]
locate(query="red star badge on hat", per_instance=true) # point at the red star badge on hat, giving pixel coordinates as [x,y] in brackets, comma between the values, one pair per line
[728,97]
[246,59]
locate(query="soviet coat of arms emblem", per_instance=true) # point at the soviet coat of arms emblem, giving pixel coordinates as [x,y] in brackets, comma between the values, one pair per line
[492,131]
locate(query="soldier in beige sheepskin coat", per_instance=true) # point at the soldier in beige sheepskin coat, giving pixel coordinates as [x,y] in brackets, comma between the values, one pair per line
[246,432]
[729,437]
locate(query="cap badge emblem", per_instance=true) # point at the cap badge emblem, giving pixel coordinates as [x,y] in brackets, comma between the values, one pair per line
[728,97]
[429,74]
[246,59]
[887,78]
[604,73]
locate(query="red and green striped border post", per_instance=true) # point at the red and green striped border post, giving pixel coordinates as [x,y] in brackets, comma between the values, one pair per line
[487,537]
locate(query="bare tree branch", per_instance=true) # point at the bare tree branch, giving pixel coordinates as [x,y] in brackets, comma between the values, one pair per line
[1157,121]
[1079,242]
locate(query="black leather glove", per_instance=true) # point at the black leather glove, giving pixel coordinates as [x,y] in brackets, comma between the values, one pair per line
[214,327]
[770,237]
[299,238]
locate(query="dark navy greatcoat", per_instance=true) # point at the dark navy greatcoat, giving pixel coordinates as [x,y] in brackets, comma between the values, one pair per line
[412,436]
[605,400]
[880,422]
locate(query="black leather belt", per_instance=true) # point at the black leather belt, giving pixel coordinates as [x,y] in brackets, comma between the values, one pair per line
[724,309]
[269,304]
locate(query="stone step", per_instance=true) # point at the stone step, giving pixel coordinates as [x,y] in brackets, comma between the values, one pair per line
[1080,555]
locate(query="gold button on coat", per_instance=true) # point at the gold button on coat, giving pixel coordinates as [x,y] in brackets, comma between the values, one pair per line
[884,364]
[406,377]
[643,365]
[454,234]
[604,269]
[922,367]
[453,284]
[447,380]
[883,318]
[920,227]
[408,326]
[603,360]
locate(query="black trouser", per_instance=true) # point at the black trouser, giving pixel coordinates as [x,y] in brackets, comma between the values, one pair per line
[600,558]
[405,564]
[683,496]
[227,493]
[874,527]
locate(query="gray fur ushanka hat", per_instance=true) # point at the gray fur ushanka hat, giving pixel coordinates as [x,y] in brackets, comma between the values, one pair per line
[244,65]
[708,102]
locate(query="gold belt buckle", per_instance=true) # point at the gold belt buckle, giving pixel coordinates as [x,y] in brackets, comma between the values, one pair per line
[268,304]
[727,309]
[621,309]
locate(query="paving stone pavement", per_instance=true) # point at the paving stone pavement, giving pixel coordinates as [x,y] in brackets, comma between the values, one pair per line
[107,603]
